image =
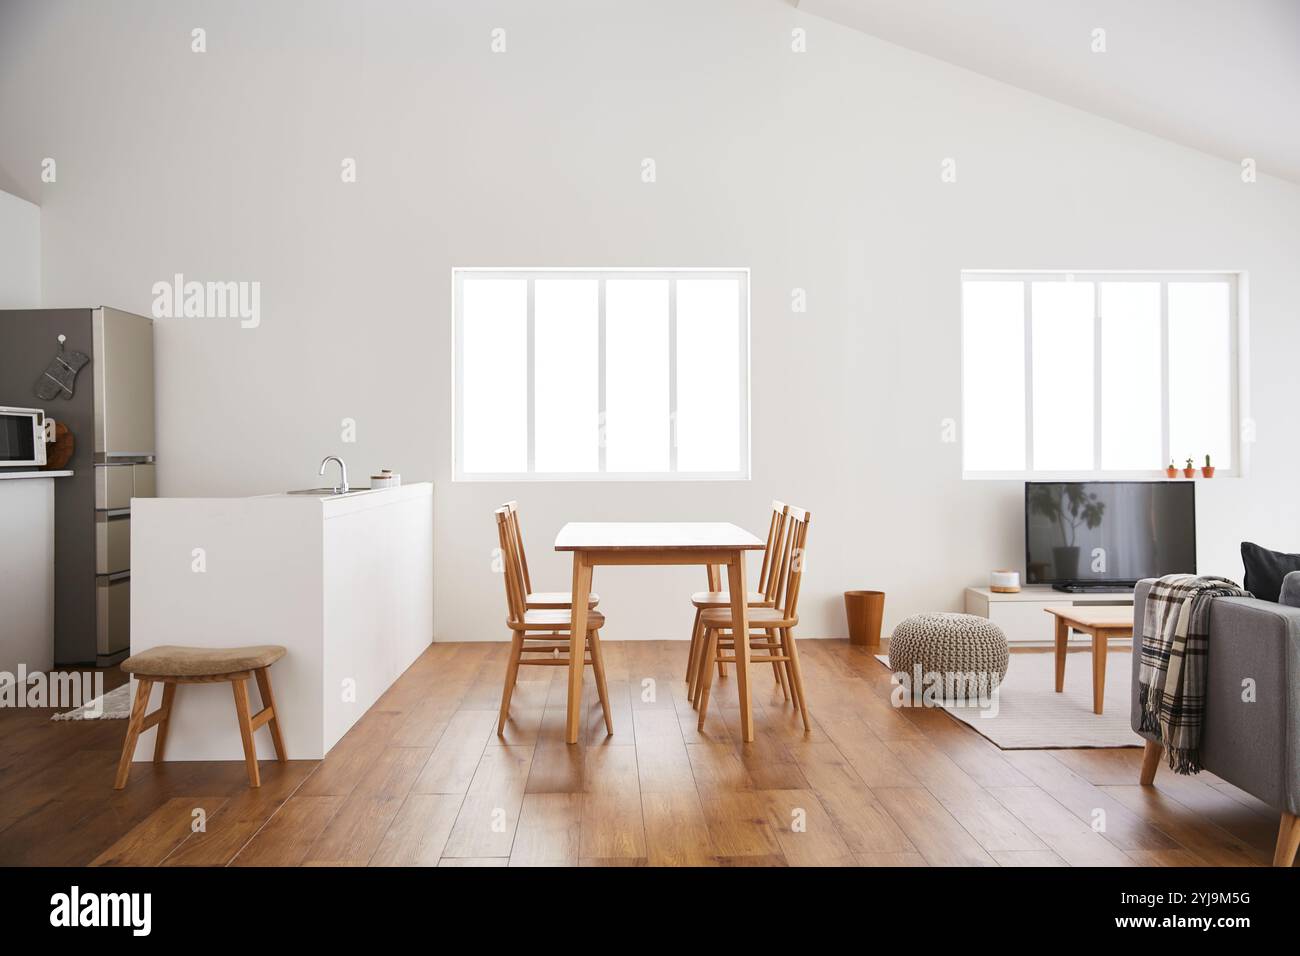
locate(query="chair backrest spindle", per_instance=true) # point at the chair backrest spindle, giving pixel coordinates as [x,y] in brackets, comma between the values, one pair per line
[517,532]
[767,577]
[515,593]
[794,554]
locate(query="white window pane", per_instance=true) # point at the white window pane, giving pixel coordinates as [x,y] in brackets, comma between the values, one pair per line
[636,375]
[1130,376]
[993,375]
[1062,354]
[566,387]
[1200,373]
[494,366]
[708,375]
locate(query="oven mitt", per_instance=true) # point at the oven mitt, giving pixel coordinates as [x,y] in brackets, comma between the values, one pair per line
[60,376]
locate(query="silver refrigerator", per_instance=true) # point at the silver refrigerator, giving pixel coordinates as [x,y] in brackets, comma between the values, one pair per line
[109,410]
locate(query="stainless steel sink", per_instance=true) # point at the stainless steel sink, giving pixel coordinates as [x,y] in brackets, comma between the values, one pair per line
[329,492]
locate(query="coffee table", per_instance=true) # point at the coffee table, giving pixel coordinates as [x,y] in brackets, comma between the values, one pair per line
[1101,624]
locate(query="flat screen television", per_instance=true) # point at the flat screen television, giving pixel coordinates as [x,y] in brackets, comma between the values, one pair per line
[1108,534]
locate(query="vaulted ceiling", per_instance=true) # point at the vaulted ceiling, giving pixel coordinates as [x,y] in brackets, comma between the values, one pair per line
[1221,76]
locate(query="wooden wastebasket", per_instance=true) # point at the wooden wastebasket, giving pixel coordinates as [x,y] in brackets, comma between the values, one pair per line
[865,610]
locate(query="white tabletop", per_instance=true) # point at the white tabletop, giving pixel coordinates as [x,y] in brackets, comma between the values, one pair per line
[654,536]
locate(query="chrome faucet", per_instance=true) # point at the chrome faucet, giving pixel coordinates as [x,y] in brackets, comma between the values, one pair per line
[342,487]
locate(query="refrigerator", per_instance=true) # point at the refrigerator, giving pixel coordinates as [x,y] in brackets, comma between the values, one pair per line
[110,414]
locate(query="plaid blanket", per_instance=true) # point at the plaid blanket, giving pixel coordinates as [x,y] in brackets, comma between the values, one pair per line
[1171,680]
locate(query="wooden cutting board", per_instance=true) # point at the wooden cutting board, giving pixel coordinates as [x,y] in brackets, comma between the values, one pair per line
[60,452]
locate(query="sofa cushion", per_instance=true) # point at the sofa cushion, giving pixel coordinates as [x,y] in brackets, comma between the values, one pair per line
[1265,570]
[1290,595]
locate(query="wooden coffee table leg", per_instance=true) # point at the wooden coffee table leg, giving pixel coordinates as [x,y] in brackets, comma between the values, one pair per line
[1062,639]
[1099,643]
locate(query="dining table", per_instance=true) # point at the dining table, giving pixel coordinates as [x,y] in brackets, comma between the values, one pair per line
[623,543]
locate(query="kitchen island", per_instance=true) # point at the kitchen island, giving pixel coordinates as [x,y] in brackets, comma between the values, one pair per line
[344,582]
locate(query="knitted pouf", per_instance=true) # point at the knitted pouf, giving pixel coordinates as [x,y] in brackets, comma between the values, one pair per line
[945,643]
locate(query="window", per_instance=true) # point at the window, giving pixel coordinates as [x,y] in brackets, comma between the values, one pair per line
[566,374]
[1098,374]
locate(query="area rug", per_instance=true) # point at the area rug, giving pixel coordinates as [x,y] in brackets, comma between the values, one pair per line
[1030,715]
[115,705]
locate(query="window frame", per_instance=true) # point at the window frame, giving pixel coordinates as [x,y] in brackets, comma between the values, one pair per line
[601,275]
[1236,369]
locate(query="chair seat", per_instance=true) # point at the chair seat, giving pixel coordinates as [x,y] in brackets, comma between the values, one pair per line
[555,599]
[723,599]
[758,617]
[543,620]
[175,660]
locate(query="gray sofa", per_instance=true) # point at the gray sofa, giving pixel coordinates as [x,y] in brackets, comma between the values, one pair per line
[1254,746]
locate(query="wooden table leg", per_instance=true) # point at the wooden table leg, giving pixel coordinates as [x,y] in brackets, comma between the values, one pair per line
[740,631]
[1062,640]
[1100,640]
[577,643]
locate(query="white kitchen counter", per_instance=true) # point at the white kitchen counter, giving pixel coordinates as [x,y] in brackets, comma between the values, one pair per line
[27,570]
[345,584]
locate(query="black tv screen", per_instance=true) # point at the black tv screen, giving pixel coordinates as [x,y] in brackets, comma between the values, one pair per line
[1108,532]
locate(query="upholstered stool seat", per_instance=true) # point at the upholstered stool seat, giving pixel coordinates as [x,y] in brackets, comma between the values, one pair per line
[174,660]
[173,664]
[950,644]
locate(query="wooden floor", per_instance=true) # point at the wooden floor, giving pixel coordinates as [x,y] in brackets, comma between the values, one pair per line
[424,779]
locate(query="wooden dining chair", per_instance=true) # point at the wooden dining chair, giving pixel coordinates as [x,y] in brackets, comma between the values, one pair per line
[541,636]
[536,600]
[716,597]
[771,629]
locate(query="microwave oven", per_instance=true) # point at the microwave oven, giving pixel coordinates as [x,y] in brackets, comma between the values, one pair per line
[23,433]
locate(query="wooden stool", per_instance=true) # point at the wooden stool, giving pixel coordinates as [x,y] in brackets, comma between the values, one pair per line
[171,664]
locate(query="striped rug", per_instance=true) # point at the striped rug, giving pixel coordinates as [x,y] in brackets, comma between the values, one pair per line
[1032,716]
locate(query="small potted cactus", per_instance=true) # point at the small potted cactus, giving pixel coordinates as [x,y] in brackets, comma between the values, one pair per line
[1171,471]
[1188,470]
[1208,470]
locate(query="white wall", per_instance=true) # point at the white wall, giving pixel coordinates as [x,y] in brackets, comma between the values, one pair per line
[818,171]
[20,253]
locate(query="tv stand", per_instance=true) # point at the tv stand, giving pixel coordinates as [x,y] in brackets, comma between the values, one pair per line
[1021,615]
[1094,588]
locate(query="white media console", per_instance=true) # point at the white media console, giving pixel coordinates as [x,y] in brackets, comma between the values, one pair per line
[1022,614]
